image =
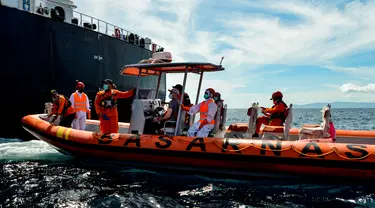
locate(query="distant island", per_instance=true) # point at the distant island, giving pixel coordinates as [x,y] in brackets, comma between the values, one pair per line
[338,105]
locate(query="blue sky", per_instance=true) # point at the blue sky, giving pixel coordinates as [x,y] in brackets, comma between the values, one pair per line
[314,51]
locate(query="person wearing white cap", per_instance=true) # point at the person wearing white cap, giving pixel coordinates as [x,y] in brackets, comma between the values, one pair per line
[172,112]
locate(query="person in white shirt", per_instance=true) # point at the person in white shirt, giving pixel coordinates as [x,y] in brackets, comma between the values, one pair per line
[81,105]
[207,110]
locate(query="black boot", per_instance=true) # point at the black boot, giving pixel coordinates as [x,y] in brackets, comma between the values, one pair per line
[256,135]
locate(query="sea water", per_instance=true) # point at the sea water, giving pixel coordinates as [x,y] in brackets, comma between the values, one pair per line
[33,174]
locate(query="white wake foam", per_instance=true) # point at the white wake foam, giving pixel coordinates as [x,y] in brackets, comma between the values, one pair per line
[18,150]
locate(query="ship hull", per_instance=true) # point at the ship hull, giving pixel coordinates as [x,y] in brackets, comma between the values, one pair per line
[40,54]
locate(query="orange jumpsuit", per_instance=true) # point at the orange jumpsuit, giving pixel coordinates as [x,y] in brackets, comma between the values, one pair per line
[109,118]
[275,118]
[58,108]
[69,114]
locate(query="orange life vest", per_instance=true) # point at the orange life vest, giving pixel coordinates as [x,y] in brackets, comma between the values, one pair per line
[203,109]
[80,102]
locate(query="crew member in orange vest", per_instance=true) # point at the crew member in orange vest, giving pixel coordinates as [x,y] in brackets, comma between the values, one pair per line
[207,110]
[106,106]
[274,116]
[62,108]
[81,105]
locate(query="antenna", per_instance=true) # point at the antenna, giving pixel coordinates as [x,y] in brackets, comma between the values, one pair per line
[221,60]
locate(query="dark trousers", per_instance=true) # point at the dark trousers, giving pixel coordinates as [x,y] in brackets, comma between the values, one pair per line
[66,121]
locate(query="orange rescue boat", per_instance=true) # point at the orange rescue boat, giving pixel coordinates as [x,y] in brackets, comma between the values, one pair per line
[279,152]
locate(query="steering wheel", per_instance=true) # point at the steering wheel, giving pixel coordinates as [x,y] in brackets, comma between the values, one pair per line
[159,112]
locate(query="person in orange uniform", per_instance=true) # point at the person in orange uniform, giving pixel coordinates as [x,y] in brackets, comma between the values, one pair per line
[62,108]
[106,106]
[81,104]
[207,110]
[274,116]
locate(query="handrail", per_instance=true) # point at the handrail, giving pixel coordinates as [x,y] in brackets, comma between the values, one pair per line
[88,22]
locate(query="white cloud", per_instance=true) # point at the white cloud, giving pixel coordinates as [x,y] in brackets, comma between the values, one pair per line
[321,34]
[324,32]
[356,88]
[260,39]
[360,72]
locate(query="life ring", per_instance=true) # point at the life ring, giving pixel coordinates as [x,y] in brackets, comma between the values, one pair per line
[117,33]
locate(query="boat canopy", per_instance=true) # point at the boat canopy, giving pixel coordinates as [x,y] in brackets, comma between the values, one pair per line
[146,69]
[155,68]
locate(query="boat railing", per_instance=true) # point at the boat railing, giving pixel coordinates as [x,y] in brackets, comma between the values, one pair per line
[49,9]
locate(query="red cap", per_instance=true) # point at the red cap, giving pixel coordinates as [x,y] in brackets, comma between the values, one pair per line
[276,95]
[80,84]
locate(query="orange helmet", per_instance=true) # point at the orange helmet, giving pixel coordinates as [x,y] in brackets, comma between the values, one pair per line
[80,84]
[276,95]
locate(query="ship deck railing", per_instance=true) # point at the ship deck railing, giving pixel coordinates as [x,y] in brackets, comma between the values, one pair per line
[88,22]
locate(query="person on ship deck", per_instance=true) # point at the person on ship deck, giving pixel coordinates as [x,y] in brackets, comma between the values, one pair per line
[207,110]
[172,112]
[106,106]
[62,107]
[274,116]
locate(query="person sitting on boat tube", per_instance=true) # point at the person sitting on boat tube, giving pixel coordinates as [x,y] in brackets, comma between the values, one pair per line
[62,108]
[81,104]
[172,113]
[106,106]
[274,116]
[207,110]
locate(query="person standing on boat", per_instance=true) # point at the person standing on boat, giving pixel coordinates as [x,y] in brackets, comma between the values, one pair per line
[81,104]
[62,108]
[106,106]
[207,110]
[274,116]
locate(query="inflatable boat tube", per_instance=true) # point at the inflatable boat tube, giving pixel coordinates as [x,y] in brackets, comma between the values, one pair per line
[268,158]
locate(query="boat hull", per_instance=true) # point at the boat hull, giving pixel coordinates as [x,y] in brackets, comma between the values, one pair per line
[242,157]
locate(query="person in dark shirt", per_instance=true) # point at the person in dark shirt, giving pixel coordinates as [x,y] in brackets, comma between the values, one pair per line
[186,100]
[172,113]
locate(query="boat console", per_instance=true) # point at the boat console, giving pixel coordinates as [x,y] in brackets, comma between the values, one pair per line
[145,93]
[143,112]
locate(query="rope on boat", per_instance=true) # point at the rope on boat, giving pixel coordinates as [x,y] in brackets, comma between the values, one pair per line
[334,149]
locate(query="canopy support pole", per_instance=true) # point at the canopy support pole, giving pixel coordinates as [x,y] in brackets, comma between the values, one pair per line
[198,92]
[181,101]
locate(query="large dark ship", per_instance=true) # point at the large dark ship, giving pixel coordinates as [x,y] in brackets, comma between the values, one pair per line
[50,46]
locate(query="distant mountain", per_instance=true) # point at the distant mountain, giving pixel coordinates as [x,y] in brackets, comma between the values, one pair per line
[338,105]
